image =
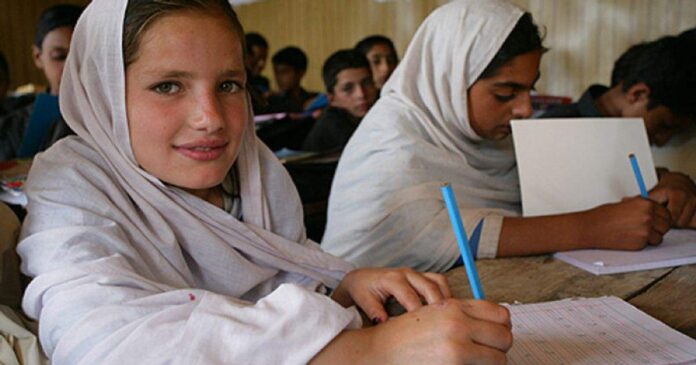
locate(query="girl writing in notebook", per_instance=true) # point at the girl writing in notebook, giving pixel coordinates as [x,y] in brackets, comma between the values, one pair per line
[165,233]
[444,116]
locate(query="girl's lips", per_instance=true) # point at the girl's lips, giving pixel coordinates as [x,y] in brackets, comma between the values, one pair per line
[202,151]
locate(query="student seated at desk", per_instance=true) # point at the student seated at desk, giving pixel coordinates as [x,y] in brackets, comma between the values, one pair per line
[165,233]
[51,45]
[654,81]
[257,54]
[444,116]
[289,67]
[351,93]
[381,53]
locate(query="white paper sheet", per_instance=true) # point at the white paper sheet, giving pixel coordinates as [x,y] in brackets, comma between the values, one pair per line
[570,165]
[678,248]
[593,331]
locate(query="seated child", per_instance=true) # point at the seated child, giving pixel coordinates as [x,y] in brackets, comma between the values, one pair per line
[51,45]
[381,54]
[256,56]
[289,67]
[444,116]
[165,233]
[351,93]
[653,81]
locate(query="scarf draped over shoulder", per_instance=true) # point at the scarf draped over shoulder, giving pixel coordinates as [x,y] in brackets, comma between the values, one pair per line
[386,208]
[127,269]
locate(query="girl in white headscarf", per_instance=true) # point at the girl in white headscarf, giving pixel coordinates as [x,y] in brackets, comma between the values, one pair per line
[164,232]
[444,116]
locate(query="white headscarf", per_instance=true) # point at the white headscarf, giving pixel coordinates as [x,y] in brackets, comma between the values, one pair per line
[386,208]
[113,249]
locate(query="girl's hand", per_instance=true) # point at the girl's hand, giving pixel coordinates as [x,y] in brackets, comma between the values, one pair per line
[630,224]
[452,331]
[369,289]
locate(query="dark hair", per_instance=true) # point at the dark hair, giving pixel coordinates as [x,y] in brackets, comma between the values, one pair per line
[55,17]
[4,68]
[627,60]
[291,56]
[140,14]
[525,37]
[666,67]
[339,61]
[366,44]
[689,33]
[255,40]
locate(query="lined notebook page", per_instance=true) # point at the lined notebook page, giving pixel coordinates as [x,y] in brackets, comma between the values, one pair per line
[678,248]
[593,331]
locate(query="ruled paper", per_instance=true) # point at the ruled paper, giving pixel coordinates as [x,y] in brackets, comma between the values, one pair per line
[593,331]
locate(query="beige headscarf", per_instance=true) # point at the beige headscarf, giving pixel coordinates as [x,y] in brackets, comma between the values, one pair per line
[111,246]
[386,208]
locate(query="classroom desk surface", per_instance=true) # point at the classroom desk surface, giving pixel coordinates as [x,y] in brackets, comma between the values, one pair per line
[666,294]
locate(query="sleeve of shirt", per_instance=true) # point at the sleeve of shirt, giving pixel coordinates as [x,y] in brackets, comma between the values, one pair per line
[103,313]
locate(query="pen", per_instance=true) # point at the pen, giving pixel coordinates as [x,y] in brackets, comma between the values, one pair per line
[462,241]
[639,176]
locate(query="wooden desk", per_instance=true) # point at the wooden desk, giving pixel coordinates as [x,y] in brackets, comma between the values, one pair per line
[666,294]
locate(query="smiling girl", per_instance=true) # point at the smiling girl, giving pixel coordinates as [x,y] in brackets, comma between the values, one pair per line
[165,232]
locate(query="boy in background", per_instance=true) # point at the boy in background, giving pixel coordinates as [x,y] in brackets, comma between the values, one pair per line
[351,92]
[289,67]
[654,81]
[256,57]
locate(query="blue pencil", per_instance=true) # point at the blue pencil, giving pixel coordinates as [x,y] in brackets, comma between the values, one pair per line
[639,176]
[463,242]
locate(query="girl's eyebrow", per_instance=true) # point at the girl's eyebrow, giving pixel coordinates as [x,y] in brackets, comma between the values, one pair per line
[516,85]
[176,74]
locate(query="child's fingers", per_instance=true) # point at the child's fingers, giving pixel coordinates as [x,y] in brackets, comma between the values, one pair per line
[485,311]
[442,282]
[425,287]
[372,306]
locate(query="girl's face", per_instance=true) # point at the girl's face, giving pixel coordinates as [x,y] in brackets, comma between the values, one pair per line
[496,100]
[50,58]
[382,62]
[185,100]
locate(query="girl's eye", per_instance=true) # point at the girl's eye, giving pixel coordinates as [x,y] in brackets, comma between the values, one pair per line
[504,98]
[166,88]
[230,87]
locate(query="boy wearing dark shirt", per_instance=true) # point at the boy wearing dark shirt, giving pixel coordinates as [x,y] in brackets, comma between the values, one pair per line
[289,67]
[257,54]
[653,81]
[351,93]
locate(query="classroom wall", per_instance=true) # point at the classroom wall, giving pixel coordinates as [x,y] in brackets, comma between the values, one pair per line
[585,36]
[17,29]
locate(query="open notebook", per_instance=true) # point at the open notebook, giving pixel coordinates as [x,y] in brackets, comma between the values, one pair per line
[603,330]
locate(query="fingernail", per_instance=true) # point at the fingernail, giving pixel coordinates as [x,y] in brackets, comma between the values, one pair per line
[377,320]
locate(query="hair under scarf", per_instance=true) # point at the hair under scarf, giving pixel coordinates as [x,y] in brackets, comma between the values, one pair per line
[386,208]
